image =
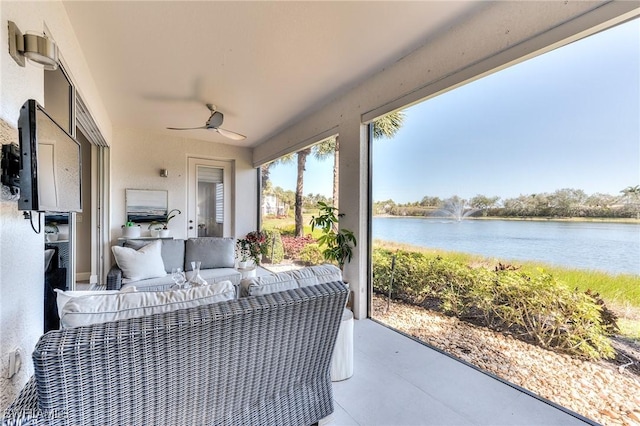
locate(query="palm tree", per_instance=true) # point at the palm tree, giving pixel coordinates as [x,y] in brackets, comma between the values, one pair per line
[325,149]
[265,169]
[388,125]
[302,160]
[385,127]
[631,193]
[320,151]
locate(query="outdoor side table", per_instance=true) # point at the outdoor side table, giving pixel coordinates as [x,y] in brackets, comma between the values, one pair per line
[248,272]
[342,359]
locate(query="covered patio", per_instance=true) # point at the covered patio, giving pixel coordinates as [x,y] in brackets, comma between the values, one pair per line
[285,84]
[399,381]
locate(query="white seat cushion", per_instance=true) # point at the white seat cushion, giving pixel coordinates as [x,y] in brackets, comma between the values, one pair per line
[62,297]
[164,283]
[98,308]
[259,286]
[288,280]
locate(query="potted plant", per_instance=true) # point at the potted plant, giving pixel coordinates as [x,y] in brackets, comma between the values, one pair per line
[51,231]
[251,247]
[164,232]
[242,253]
[338,243]
[155,227]
[130,230]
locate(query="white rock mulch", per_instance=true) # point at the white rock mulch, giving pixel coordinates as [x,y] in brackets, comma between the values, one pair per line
[595,390]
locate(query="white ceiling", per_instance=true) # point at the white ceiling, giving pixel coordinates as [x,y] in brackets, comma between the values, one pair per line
[265,65]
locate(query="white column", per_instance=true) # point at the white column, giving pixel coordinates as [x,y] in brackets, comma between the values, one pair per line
[353,186]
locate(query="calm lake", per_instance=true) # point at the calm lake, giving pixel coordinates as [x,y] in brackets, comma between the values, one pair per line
[609,247]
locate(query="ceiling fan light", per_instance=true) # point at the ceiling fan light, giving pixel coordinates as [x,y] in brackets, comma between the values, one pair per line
[213,123]
[215,120]
[231,135]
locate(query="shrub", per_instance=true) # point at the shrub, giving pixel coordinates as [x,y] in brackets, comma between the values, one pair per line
[423,280]
[541,309]
[294,245]
[409,278]
[535,307]
[311,254]
[288,230]
[608,318]
[273,249]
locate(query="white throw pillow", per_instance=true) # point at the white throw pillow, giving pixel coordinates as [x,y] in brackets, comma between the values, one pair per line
[140,264]
[98,308]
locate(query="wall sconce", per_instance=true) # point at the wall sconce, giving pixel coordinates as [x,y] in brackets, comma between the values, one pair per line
[39,49]
[164,173]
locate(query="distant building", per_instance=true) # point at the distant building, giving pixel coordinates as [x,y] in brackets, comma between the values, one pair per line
[273,206]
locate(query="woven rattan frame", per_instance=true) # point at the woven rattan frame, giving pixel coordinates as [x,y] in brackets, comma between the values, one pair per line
[262,360]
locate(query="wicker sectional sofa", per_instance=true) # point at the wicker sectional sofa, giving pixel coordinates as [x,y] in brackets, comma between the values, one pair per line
[257,360]
[216,254]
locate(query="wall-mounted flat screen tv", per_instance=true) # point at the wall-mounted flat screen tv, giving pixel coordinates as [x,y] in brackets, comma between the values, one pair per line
[50,163]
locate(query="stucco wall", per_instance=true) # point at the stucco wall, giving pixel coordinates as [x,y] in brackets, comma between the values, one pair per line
[136,160]
[21,249]
[21,286]
[19,84]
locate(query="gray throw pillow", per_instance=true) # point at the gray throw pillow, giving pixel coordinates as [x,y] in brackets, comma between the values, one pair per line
[212,252]
[172,252]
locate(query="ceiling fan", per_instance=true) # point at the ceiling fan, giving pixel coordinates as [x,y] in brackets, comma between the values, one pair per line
[213,123]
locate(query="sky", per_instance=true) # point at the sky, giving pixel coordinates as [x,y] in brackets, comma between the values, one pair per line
[569,118]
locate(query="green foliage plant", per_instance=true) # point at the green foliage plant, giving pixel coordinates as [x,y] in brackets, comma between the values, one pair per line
[532,306]
[338,243]
[273,250]
[170,215]
[311,255]
[251,246]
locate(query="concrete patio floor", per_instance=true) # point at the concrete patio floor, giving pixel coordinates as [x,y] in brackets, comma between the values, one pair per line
[398,381]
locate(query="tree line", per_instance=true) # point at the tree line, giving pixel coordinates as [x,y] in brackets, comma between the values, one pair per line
[566,202]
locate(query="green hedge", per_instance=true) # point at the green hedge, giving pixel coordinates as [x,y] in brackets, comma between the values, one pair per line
[273,248]
[312,255]
[532,306]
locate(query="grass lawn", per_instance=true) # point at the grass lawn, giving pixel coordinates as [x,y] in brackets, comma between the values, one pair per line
[288,224]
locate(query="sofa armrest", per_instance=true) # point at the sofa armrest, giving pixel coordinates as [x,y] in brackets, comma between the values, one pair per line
[25,410]
[114,278]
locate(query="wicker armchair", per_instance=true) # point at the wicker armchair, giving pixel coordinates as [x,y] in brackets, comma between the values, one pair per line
[259,360]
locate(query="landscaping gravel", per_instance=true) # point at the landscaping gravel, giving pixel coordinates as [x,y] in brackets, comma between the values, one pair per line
[599,391]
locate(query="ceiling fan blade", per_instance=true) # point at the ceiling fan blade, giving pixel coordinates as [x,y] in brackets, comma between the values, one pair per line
[231,135]
[186,128]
